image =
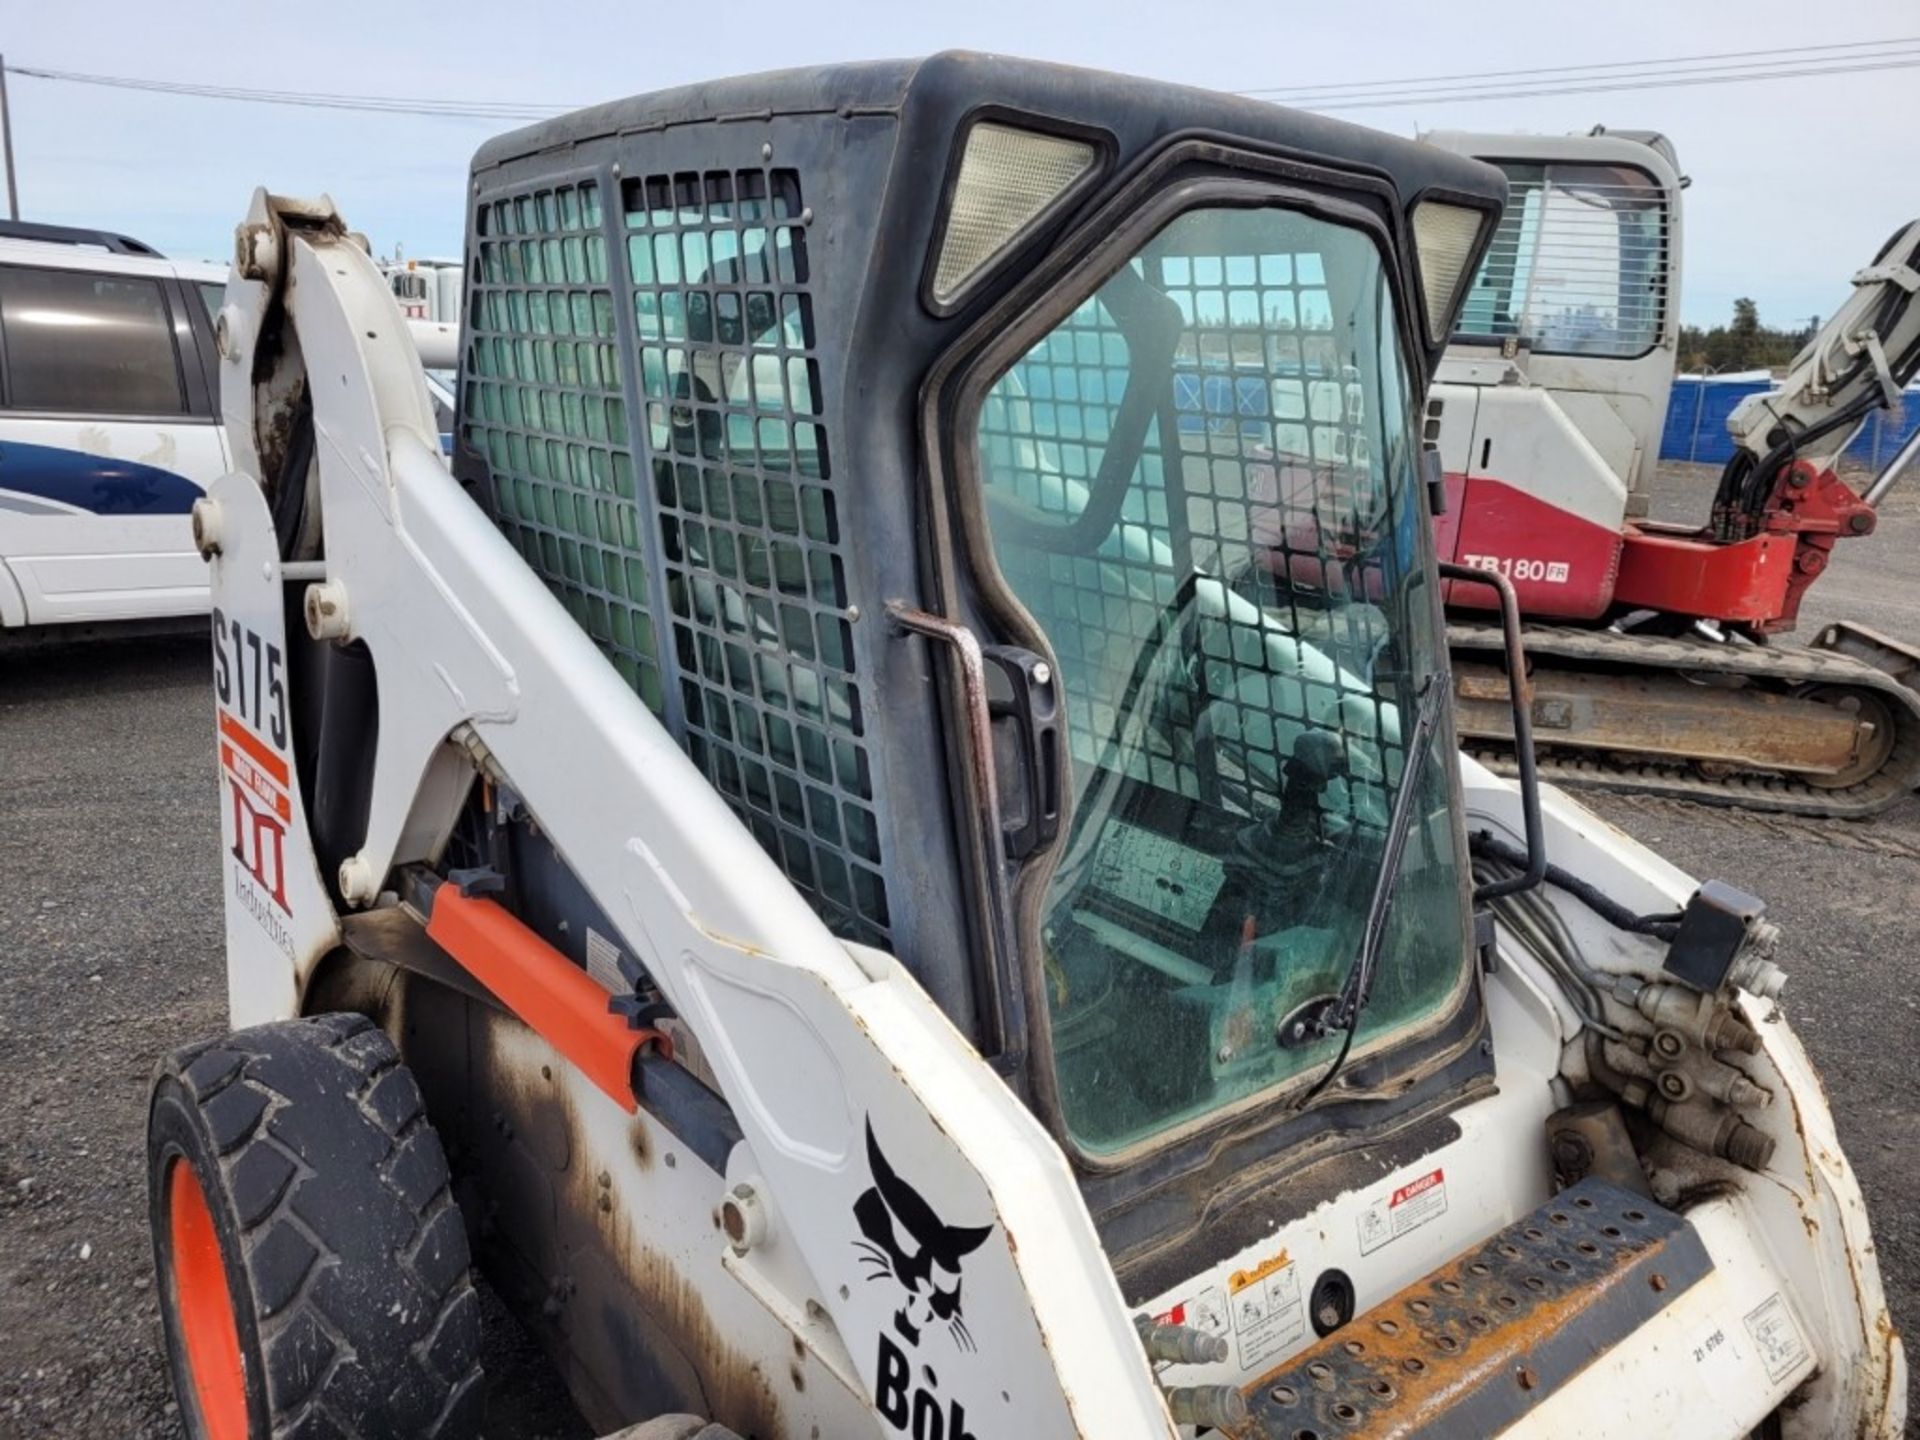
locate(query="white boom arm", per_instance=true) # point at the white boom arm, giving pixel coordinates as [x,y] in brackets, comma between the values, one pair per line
[811,1040]
[1860,361]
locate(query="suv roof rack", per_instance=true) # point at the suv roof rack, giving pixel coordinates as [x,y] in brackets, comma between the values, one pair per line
[76,235]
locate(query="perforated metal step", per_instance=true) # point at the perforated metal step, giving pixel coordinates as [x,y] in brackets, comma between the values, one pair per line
[1495,1331]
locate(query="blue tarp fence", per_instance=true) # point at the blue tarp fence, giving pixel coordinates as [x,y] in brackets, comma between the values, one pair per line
[1697,421]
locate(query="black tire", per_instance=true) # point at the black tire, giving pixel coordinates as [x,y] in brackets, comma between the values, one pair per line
[346,1268]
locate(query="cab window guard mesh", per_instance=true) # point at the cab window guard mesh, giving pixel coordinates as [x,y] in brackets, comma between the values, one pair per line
[1263,412]
[544,402]
[1199,486]
[742,641]
[749,525]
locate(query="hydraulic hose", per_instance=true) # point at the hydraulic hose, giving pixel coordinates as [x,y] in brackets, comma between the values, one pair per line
[1532,922]
[1661,927]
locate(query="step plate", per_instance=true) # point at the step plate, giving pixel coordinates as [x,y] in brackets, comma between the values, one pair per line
[1495,1331]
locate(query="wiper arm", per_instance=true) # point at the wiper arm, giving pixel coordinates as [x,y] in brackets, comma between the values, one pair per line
[1343,1012]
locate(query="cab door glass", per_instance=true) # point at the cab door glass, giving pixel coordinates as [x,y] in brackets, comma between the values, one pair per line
[1199,486]
[86,344]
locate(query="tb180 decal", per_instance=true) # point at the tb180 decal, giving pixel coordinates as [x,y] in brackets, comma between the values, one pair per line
[907,1245]
[1547,572]
[249,685]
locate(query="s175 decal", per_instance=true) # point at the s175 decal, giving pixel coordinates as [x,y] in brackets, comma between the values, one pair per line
[249,685]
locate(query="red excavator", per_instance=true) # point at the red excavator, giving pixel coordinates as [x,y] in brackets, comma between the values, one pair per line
[1651,645]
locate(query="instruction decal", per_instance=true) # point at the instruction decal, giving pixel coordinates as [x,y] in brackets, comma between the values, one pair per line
[1406,1208]
[1268,1315]
[250,688]
[1777,1334]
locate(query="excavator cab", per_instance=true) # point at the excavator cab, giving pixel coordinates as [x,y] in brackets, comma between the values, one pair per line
[895,813]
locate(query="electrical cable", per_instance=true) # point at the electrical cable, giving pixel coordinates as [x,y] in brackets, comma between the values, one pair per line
[377,104]
[1538,72]
[1838,58]
[1678,80]
[1651,78]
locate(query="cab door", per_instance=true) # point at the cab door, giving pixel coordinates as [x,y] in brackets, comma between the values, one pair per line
[108,434]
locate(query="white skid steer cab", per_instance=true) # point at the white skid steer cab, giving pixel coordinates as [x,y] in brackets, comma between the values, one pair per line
[884,850]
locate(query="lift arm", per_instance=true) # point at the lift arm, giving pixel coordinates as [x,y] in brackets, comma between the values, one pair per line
[817,1045]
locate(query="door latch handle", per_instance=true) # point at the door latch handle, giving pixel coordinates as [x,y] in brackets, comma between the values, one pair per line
[1027,721]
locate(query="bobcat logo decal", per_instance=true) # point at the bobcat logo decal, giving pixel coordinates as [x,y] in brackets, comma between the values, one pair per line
[908,1243]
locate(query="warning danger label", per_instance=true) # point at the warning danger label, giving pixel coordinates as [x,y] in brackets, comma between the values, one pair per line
[1206,1311]
[1259,1309]
[1266,1309]
[1406,1208]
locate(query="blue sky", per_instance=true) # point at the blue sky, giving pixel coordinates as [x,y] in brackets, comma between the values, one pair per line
[1796,182]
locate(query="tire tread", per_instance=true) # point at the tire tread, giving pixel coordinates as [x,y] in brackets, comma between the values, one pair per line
[353,1245]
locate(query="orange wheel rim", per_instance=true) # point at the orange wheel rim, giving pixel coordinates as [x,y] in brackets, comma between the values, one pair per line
[204,1308]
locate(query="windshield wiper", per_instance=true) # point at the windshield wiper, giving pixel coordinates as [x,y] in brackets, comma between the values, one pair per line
[1342,1012]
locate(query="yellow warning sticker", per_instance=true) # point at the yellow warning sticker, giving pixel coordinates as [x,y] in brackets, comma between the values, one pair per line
[1241,1279]
[1268,1318]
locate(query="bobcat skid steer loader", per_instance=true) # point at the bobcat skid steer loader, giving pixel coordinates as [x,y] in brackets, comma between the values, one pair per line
[882,875]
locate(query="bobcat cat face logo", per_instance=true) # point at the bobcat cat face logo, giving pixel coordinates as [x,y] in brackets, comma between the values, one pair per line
[907,1243]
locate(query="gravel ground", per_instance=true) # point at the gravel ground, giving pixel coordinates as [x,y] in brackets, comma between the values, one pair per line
[110,953]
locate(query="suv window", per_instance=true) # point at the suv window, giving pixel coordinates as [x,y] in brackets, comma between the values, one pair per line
[89,344]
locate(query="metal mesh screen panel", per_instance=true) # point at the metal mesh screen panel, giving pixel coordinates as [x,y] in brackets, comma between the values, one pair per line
[1579,264]
[1268,478]
[543,401]
[1199,488]
[742,642]
[750,538]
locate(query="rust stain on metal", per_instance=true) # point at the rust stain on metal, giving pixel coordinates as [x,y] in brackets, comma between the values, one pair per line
[606,1269]
[642,1145]
[1486,1337]
[1666,717]
[738,1390]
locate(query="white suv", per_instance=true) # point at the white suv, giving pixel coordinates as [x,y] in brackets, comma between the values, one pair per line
[109,426]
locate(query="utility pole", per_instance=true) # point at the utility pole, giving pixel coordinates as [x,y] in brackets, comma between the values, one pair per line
[6,131]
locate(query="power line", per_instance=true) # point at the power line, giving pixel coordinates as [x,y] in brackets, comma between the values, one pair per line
[1745,70]
[1605,87]
[378,104]
[1799,62]
[1541,72]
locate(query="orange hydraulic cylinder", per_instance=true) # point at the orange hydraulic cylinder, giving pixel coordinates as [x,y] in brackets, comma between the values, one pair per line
[554,996]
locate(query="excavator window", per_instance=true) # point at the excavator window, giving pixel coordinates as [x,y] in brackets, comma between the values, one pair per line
[1198,484]
[1578,265]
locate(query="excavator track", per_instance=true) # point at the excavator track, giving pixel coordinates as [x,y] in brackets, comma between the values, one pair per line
[1719,692]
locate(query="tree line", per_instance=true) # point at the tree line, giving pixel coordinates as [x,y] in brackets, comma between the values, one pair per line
[1743,343]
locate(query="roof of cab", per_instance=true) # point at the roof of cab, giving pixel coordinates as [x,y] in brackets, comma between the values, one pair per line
[1149,110]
